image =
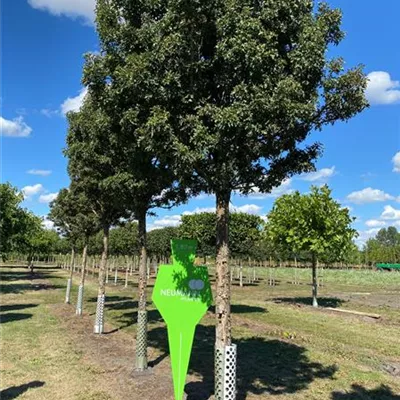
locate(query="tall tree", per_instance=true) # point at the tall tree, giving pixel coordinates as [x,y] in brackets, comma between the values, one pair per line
[93,160]
[136,125]
[234,88]
[314,223]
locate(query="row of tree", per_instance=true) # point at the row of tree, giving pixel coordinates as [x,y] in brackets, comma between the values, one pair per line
[21,231]
[384,247]
[188,97]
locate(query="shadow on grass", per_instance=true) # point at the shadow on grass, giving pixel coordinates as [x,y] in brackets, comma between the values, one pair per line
[11,317]
[242,309]
[15,307]
[265,367]
[110,299]
[359,393]
[322,301]
[15,391]
[29,281]
[130,318]
[18,288]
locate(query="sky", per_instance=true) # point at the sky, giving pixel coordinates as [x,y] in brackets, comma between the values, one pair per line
[42,46]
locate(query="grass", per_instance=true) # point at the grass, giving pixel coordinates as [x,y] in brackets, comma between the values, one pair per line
[286,349]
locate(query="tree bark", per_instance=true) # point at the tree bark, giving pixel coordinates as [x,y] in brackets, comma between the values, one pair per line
[223,285]
[72,265]
[79,303]
[84,264]
[103,261]
[141,335]
[314,281]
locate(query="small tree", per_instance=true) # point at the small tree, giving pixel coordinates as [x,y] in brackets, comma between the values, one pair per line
[314,223]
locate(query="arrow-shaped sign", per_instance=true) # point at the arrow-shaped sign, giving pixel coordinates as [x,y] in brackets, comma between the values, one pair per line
[182,294]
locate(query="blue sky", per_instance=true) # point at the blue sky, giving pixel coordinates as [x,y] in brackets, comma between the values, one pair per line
[43,42]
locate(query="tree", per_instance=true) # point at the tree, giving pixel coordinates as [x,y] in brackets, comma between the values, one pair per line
[124,239]
[136,125]
[244,232]
[93,160]
[314,223]
[385,247]
[17,225]
[159,241]
[234,88]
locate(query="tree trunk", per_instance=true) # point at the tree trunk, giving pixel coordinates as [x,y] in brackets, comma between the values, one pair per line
[141,335]
[79,303]
[223,288]
[99,324]
[69,282]
[314,281]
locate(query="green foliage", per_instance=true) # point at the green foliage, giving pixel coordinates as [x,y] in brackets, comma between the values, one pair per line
[313,222]
[244,233]
[124,240]
[159,241]
[384,248]
[18,226]
[232,86]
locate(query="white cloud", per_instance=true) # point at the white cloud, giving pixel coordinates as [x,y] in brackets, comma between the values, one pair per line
[284,188]
[320,175]
[47,224]
[74,103]
[40,172]
[247,208]
[15,128]
[390,213]
[29,191]
[69,8]
[368,195]
[396,162]
[47,198]
[167,220]
[374,223]
[381,89]
[47,112]
[199,210]
[363,236]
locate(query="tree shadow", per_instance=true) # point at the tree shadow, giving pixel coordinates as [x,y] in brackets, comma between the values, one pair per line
[242,309]
[19,288]
[130,318]
[11,317]
[110,299]
[333,302]
[265,367]
[382,392]
[15,391]
[14,307]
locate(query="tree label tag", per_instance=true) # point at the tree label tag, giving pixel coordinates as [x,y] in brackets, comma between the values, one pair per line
[182,295]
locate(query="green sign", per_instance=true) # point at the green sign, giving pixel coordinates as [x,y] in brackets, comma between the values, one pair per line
[182,294]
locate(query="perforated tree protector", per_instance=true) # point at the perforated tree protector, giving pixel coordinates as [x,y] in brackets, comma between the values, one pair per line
[225,373]
[68,294]
[79,303]
[141,344]
[99,323]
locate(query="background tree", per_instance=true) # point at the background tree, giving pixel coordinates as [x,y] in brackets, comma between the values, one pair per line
[159,242]
[244,232]
[314,223]
[94,158]
[124,240]
[17,225]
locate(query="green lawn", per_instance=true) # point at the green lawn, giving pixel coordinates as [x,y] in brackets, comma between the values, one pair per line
[286,349]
